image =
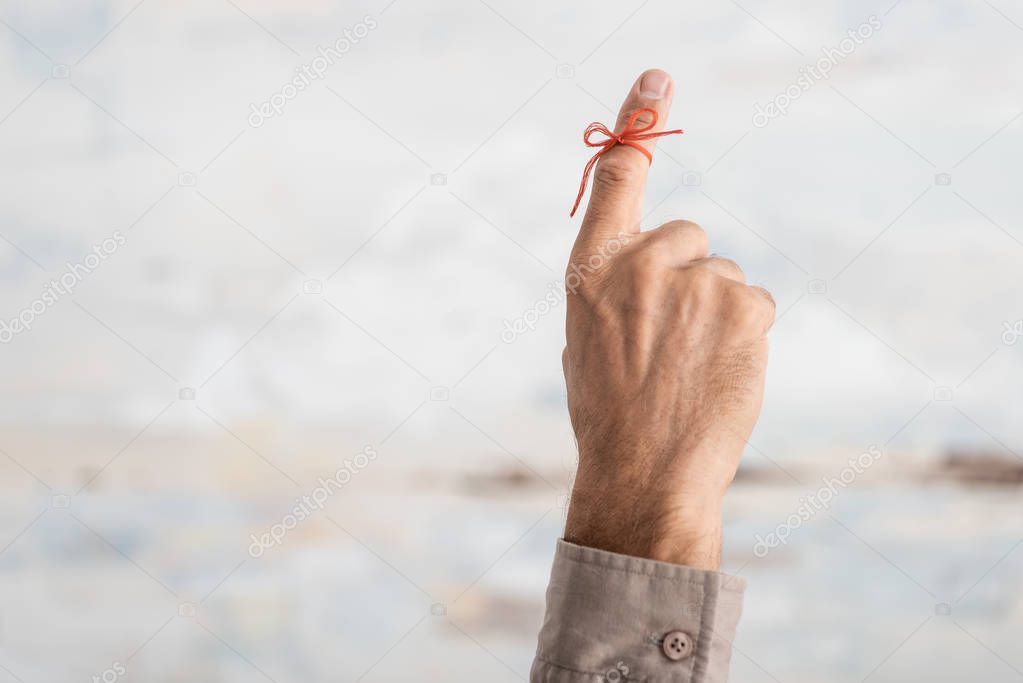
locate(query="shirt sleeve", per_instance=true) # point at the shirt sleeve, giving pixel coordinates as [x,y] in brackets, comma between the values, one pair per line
[614,618]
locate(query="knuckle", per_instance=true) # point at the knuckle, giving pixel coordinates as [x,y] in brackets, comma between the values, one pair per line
[748,307]
[703,282]
[612,173]
[748,310]
[768,307]
[767,296]
[742,311]
[653,254]
[685,235]
[704,278]
[731,266]
[694,230]
[685,230]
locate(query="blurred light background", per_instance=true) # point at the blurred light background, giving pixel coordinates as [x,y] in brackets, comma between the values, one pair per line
[274,290]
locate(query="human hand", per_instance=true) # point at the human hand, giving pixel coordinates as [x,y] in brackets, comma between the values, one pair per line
[665,363]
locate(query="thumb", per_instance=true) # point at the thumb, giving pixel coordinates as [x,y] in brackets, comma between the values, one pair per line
[616,201]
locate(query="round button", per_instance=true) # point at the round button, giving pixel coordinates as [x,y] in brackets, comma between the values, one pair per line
[677,645]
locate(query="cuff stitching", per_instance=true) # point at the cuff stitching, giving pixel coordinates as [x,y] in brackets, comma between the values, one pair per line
[691,582]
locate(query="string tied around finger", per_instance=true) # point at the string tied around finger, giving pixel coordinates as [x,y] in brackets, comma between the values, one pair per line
[631,135]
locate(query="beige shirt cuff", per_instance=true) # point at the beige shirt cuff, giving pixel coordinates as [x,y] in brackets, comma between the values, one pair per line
[616,618]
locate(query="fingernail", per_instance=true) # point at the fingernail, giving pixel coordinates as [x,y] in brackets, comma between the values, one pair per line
[654,85]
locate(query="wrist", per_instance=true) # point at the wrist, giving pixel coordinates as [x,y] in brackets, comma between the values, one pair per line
[673,527]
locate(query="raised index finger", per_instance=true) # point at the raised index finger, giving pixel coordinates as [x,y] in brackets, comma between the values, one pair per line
[616,200]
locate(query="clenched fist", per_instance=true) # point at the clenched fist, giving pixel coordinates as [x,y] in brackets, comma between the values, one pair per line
[665,365]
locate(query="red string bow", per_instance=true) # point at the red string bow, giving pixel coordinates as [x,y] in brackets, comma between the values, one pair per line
[630,136]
